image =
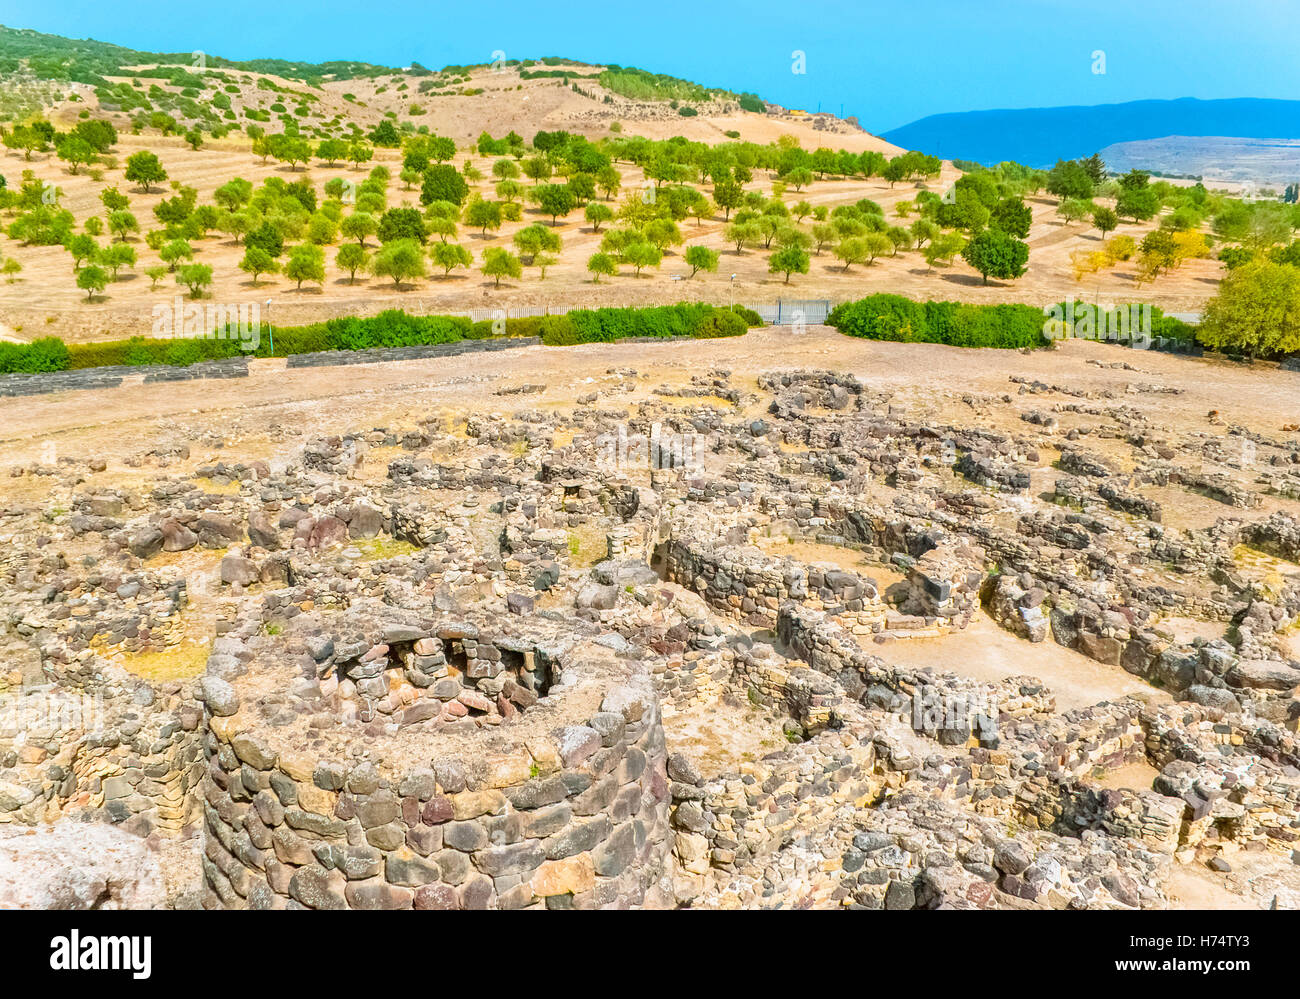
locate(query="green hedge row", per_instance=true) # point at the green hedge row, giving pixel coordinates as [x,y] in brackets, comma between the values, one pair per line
[899,319]
[664,321]
[393,328]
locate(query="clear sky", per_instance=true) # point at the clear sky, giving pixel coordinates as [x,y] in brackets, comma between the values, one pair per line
[887,63]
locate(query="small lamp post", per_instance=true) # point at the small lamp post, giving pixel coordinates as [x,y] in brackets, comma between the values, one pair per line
[269,332]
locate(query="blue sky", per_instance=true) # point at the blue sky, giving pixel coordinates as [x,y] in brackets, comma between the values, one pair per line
[888,63]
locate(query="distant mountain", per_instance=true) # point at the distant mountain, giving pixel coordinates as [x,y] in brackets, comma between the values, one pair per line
[1038,137]
[1218,161]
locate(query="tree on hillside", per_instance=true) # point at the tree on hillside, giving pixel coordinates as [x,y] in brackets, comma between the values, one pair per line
[82,247]
[351,258]
[535,239]
[92,280]
[642,254]
[257,262]
[727,195]
[76,152]
[1075,209]
[1012,216]
[146,169]
[121,223]
[1137,203]
[1104,220]
[306,263]
[117,256]
[1069,179]
[789,260]
[385,134]
[701,258]
[602,263]
[1095,167]
[401,223]
[499,262]
[1256,311]
[449,256]
[554,200]
[997,254]
[597,214]
[196,277]
[400,259]
[443,182]
[484,215]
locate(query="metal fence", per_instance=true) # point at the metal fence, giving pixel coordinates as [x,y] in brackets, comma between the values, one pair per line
[794,311]
[784,312]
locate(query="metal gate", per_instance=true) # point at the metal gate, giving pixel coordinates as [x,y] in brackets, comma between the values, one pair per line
[794,311]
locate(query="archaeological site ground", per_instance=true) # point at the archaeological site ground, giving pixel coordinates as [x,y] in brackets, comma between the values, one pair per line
[551,485]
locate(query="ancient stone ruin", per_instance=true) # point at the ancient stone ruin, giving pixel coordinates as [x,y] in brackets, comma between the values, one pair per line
[632,653]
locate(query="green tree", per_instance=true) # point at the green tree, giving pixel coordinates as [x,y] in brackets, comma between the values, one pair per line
[257,262]
[155,274]
[76,152]
[174,252]
[642,254]
[144,168]
[306,263]
[499,263]
[331,151]
[82,247]
[351,257]
[117,256]
[996,254]
[484,215]
[1075,209]
[449,256]
[789,260]
[701,258]
[400,259]
[554,200]
[1012,216]
[114,200]
[401,223]
[1256,311]
[1105,220]
[1137,203]
[603,263]
[358,226]
[196,277]
[121,223]
[92,280]
[535,239]
[597,214]
[609,180]
[443,182]
[727,195]
[1069,179]
[537,168]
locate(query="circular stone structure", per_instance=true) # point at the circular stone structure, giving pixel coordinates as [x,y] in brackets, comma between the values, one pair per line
[333,790]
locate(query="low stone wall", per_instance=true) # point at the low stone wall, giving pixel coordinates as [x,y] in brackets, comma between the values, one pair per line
[945,706]
[112,376]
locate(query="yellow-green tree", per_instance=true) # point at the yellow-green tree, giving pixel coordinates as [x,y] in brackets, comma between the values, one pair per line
[1257,311]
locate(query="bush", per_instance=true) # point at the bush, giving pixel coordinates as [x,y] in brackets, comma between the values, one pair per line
[899,319]
[751,317]
[608,325]
[46,354]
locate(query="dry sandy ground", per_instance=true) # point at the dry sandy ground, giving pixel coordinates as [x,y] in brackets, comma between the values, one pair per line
[1261,397]
[45,300]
